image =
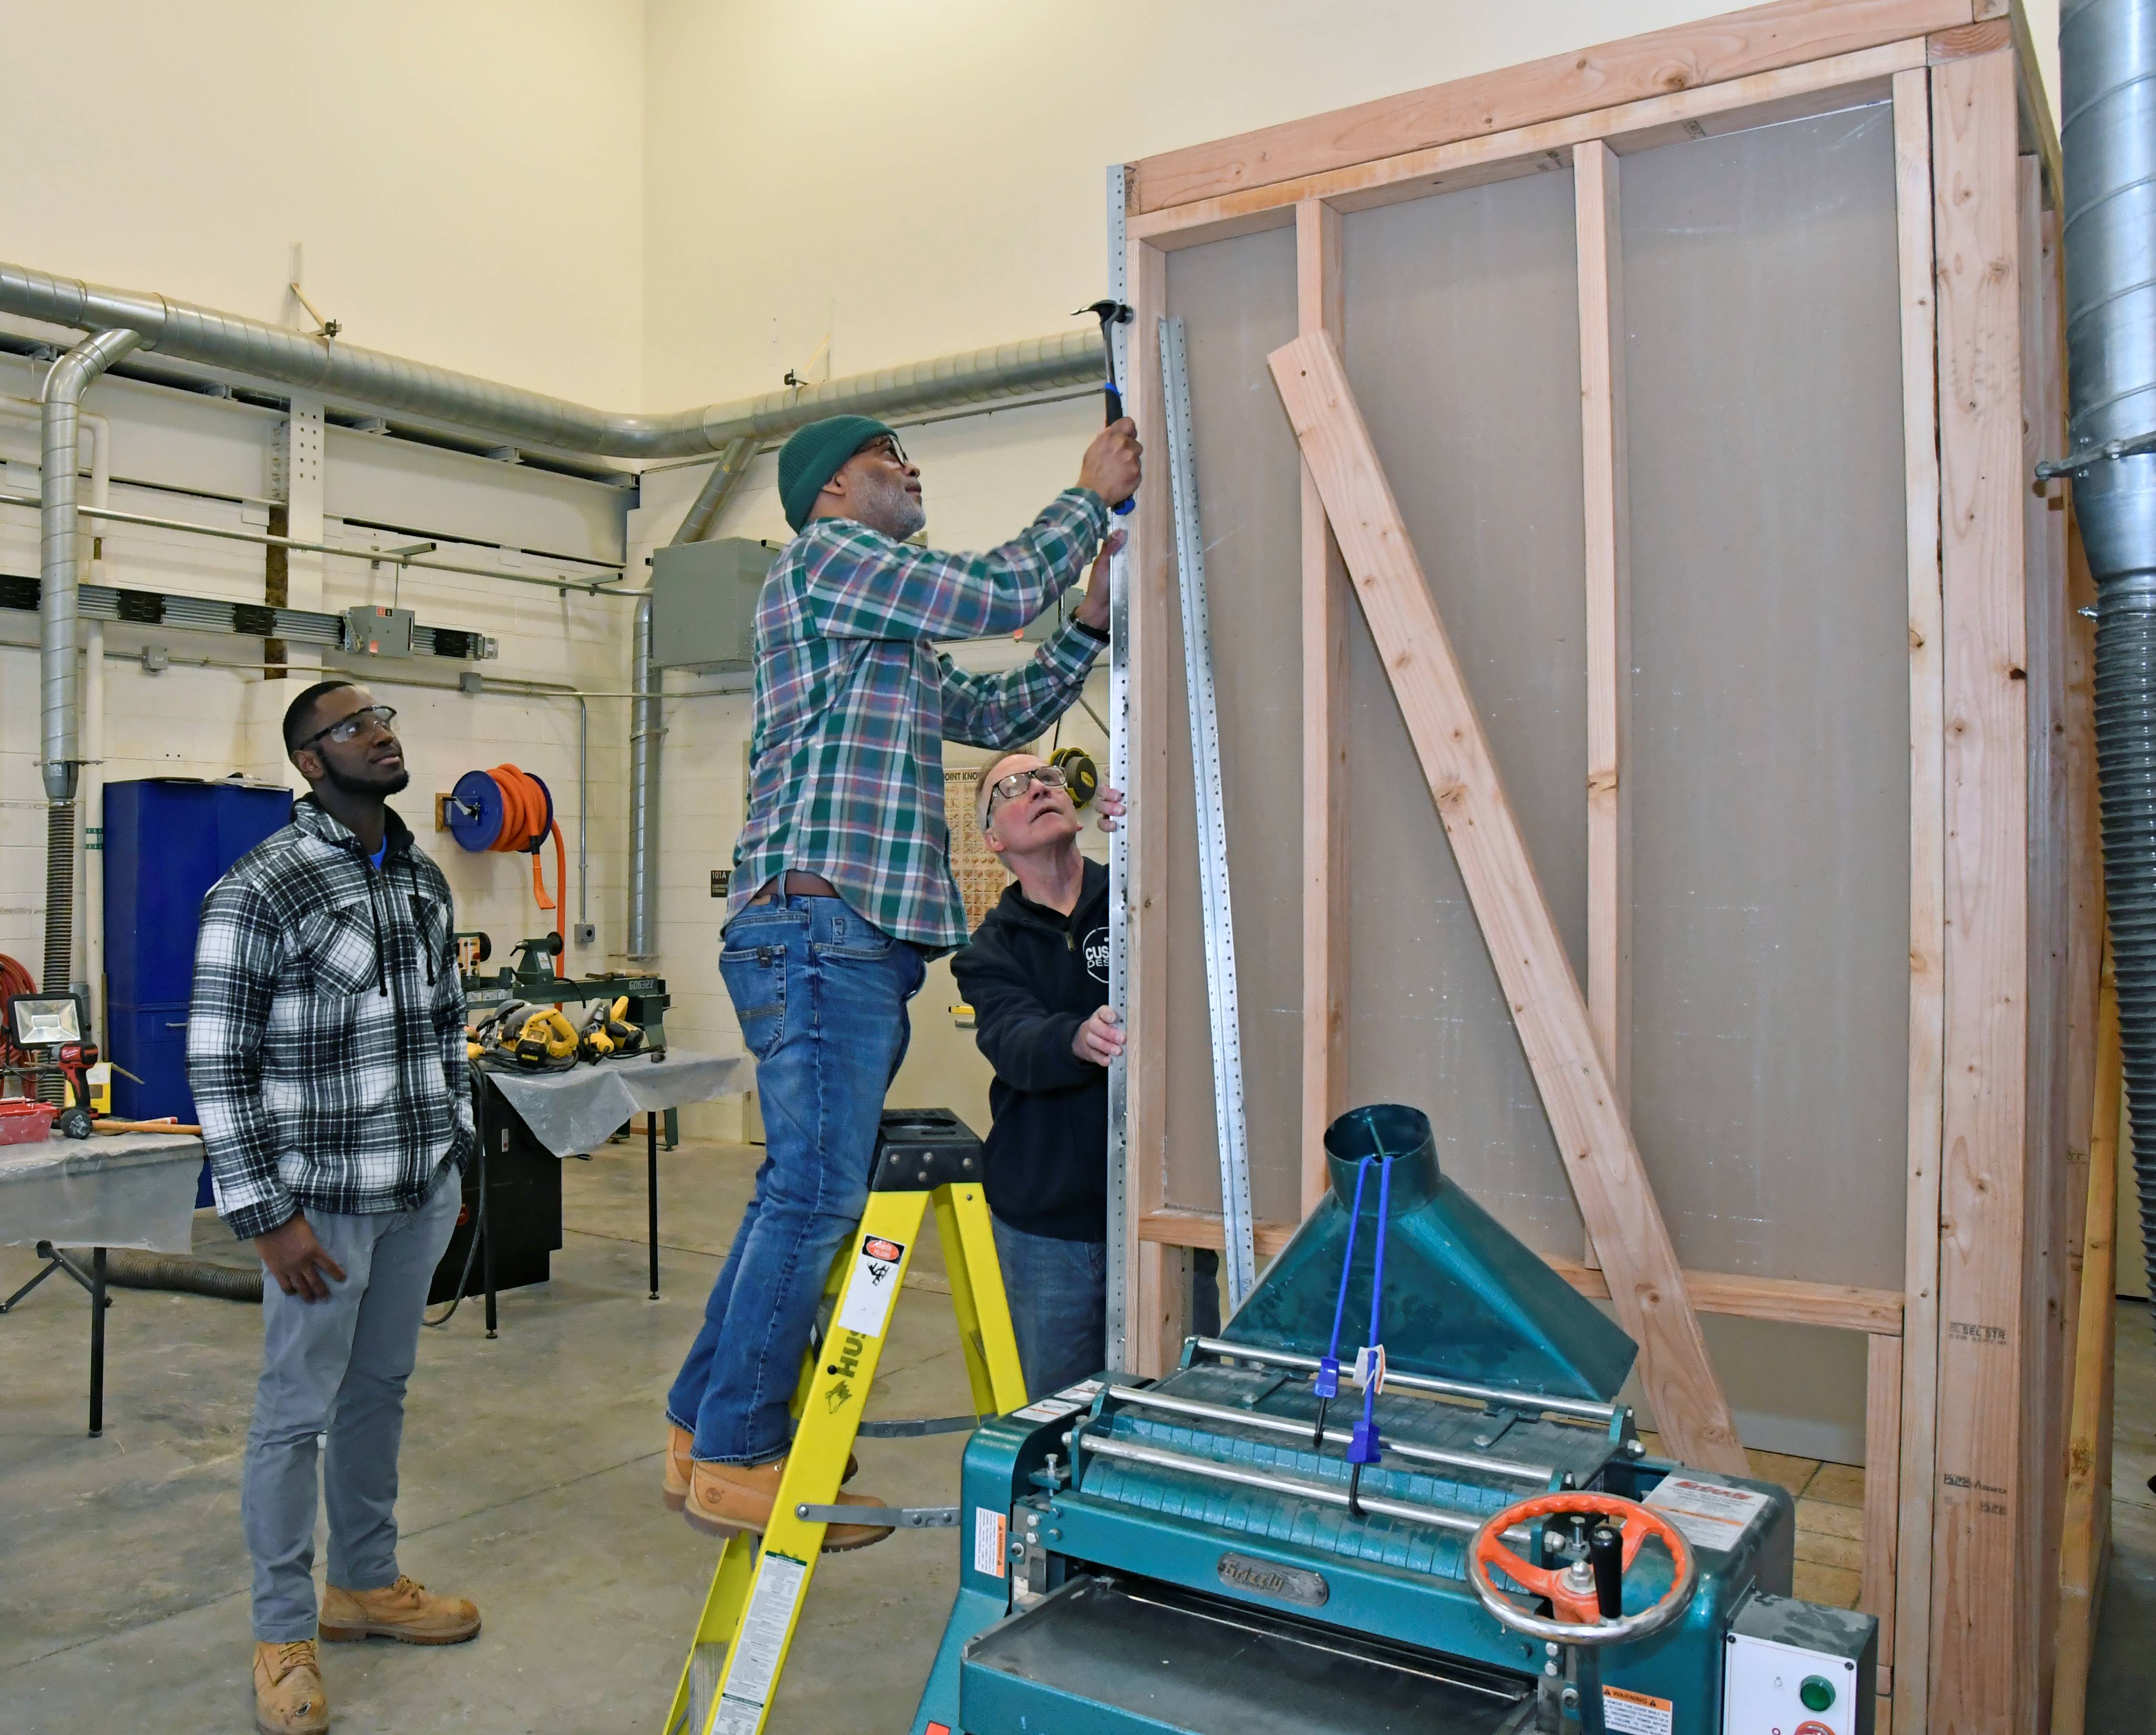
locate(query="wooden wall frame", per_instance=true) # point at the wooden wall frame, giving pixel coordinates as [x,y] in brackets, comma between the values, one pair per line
[1966,1399]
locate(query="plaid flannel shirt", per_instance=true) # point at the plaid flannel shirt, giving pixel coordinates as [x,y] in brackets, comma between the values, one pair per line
[326,1040]
[853,703]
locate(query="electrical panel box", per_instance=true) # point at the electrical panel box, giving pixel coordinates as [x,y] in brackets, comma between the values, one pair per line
[1793,1668]
[370,632]
[703,602]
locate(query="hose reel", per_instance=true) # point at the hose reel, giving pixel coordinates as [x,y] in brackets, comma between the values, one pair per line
[508,811]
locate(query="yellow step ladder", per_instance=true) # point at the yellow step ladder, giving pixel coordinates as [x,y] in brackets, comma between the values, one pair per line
[924,1158]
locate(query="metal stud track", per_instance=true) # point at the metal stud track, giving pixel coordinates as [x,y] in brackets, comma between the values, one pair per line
[1239,1261]
[1119,840]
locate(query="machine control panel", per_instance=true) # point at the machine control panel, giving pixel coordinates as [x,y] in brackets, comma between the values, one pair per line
[1792,1668]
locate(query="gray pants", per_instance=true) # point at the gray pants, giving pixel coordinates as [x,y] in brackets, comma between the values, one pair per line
[338,1367]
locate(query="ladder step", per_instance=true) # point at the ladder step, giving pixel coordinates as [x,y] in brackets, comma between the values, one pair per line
[707,1667]
[897,1517]
[916,1429]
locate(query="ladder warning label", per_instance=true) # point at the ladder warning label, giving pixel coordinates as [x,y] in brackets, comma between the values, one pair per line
[1627,1713]
[761,1643]
[988,1533]
[1706,1514]
[872,1287]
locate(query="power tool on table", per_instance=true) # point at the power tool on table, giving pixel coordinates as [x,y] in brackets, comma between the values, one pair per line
[54,1032]
[1475,1541]
[620,1003]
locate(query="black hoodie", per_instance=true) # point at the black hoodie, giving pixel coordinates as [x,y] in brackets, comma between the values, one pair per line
[1032,976]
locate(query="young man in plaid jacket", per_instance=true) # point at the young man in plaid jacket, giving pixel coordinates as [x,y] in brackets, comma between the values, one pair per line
[843,885]
[325,1049]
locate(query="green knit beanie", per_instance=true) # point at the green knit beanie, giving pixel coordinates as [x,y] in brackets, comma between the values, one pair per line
[814,455]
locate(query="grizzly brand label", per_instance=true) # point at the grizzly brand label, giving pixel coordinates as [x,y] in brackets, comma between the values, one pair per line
[1266,1577]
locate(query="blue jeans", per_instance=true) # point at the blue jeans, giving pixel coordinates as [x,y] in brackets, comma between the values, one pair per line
[1058,1305]
[338,1366]
[821,993]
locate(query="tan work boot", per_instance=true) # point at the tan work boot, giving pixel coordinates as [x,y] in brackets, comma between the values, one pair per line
[289,1699]
[404,1611]
[679,1464]
[724,1498]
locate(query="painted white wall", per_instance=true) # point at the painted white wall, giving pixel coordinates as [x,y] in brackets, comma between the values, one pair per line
[466,179]
[915,181]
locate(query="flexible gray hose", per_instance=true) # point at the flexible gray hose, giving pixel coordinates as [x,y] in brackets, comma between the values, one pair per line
[125,1268]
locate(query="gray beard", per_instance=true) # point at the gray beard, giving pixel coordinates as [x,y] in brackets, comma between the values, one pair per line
[887,507]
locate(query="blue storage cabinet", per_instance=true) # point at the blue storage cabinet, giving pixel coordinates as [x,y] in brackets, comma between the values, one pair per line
[167,841]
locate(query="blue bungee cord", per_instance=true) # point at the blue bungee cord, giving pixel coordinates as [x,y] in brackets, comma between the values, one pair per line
[1328,1366]
[1365,1445]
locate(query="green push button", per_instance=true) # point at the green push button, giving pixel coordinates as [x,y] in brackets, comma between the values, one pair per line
[1817,1692]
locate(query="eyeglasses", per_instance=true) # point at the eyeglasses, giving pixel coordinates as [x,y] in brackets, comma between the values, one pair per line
[1049,777]
[345,729]
[885,445]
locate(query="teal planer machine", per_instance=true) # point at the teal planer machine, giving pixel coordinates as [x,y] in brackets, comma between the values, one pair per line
[1456,1532]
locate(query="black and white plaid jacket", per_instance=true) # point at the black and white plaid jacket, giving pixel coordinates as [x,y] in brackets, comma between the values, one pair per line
[325,1041]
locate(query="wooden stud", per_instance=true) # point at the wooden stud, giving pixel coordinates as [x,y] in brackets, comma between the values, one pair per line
[1912,181]
[1609,615]
[1712,52]
[1319,281]
[1155,1301]
[1548,1011]
[1882,1483]
[1785,1300]
[1982,1651]
[2086,1519]
[1782,1301]
[1755,101]
[2047,1343]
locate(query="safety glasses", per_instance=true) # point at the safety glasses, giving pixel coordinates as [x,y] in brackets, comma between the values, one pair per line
[350,728]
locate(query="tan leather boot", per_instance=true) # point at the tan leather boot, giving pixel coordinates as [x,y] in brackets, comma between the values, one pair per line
[404,1611]
[679,1463]
[289,1699]
[724,1498]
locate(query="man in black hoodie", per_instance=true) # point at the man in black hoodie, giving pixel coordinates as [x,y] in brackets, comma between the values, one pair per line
[1036,975]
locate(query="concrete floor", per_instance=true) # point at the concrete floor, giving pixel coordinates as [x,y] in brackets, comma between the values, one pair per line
[531,1475]
[530,1478]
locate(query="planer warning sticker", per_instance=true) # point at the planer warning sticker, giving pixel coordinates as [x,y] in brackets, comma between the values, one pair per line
[1629,1713]
[1706,1514]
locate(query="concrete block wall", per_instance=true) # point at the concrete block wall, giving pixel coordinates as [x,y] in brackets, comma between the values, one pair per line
[209,722]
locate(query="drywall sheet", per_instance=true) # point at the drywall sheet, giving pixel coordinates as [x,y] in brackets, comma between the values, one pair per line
[1462,330]
[1770,770]
[1237,301]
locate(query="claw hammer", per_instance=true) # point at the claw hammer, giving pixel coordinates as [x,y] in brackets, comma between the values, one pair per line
[1111,313]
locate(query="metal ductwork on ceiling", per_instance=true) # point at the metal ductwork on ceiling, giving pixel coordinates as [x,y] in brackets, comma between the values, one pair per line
[2107,90]
[365,379]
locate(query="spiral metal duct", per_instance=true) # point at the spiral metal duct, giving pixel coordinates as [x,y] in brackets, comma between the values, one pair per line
[2108,85]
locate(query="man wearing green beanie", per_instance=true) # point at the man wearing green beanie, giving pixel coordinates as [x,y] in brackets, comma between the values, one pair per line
[843,888]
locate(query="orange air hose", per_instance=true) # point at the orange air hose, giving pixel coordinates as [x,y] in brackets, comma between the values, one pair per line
[524,825]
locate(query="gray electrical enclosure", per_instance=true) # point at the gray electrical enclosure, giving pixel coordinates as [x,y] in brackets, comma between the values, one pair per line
[703,602]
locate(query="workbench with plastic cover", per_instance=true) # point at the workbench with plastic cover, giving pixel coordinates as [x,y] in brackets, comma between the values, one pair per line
[570,1114]
[131,1189]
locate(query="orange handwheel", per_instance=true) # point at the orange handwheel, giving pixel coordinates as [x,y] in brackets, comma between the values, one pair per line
[1579,1618]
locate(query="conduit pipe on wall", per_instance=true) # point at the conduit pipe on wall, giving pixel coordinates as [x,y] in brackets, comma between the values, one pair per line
[368,379]
[60,664]
[647,729]
[2107,89]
